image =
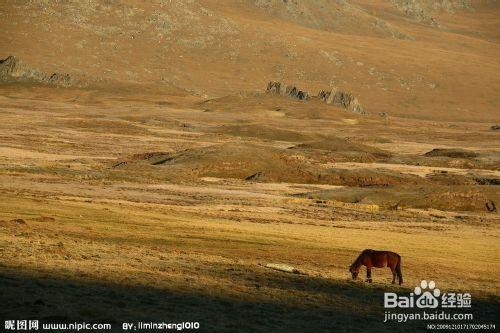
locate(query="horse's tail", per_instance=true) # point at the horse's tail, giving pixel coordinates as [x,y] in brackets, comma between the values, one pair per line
[398,270]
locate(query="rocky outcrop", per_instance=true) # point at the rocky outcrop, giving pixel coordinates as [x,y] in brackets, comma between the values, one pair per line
[297,93]
[341,98]
[282,89]
[341,16]
[335,96]
[276,87]
[416,11]
[490,206]
[424,10]
[13,69]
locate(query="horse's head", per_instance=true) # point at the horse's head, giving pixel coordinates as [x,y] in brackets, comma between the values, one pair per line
[354,272]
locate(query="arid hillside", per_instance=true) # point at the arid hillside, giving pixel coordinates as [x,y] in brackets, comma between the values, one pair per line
[164,160]
[153,206]
[425,59]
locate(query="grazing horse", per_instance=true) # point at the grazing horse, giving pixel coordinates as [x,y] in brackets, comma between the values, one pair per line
[379,259]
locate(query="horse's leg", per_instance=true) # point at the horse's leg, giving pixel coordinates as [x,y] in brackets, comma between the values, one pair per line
[398,271]
[368,274]
[393,270]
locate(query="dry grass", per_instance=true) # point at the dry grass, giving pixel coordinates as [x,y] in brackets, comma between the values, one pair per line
[148,243]
[116,248]
[131,199]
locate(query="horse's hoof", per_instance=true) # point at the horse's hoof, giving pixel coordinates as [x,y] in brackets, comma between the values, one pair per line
[369,280]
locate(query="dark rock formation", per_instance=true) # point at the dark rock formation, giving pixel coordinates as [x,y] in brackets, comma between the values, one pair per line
[282,89]
[336,97]
[276,87]
[297,93]
[341,98]
[255,176]
[490,206]
[487,181]
[13,69]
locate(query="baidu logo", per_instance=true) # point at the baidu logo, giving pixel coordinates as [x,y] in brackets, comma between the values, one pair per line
[426,295]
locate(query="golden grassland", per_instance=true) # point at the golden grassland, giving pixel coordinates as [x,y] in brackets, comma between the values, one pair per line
[461,257]
[160,189]
[190,266]
[83,240]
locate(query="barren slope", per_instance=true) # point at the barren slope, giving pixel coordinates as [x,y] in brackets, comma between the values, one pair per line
[393,61]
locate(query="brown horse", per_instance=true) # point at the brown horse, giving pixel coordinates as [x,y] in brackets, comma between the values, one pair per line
[379,259]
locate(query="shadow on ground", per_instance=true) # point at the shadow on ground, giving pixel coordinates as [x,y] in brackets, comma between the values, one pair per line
[356,308]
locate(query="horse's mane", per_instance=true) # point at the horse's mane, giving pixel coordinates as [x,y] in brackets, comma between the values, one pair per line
[358,259]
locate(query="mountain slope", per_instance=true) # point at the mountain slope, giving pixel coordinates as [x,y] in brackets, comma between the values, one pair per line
[395,62]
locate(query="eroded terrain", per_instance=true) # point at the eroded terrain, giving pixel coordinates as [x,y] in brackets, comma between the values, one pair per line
[167,207]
